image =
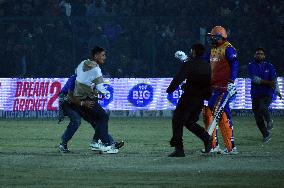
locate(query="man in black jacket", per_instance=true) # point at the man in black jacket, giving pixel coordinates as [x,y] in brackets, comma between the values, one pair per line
[197,73]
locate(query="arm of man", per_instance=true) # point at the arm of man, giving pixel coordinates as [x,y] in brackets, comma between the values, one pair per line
[272,78]
[70,95]
[231,56]
[178,79]
[85,103]
[252,73]
[72,99]
[69,85]
[258,80]
[98,82]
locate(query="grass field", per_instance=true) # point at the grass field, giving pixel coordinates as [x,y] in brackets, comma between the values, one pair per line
[29,157]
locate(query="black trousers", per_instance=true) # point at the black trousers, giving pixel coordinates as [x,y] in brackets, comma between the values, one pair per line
[260,110]
[187,114]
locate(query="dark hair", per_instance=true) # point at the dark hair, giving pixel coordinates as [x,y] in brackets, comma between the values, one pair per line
[199,49]
[97,50]
[259,49]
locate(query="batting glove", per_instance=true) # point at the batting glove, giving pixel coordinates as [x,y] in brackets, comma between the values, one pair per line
[232,89]
[181,56]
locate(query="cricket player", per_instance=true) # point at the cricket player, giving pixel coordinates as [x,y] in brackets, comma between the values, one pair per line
[263,87]
[224,67]
[197,73]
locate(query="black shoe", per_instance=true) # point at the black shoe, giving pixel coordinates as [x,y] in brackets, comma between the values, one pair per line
[177,153]
[63,148]
[267,138]
[208,145]
[118,145]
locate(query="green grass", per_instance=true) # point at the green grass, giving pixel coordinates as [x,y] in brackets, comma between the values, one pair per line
[29,157]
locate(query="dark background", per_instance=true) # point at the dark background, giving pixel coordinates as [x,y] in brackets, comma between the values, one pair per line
[42,38]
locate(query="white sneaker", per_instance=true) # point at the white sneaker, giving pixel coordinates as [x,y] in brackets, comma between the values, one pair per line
[234,151]
[112,150]
[94,146]
[217,149]
[99,146]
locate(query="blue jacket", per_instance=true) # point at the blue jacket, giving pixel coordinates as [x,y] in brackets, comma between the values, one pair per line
[69,86]
[265,71]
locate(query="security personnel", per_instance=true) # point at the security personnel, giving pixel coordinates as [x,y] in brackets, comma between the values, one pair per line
[197,73]
[263,87]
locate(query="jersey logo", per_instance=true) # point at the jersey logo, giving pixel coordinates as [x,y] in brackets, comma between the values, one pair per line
[234,56]
[214,59]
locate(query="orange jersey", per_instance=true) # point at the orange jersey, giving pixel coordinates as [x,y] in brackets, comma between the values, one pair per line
[221,71]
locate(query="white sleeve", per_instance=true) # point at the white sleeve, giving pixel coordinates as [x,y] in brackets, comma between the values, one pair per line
[100,87]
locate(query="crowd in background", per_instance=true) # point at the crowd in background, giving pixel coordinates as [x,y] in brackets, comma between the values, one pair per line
[49,38]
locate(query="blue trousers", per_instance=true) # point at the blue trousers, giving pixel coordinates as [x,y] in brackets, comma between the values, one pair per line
[96,116]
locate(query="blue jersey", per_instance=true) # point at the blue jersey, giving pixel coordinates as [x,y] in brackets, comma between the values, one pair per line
[231,56]
[265,71]
[69,86]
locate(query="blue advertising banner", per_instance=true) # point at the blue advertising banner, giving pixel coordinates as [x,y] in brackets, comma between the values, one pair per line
[41,94]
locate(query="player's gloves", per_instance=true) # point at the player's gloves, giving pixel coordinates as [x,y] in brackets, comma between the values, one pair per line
[181,56]
[232,89]
[256,80]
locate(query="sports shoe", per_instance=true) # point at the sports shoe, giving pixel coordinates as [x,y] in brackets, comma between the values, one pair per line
[217,149]
[270,125]
[99,146]
[63,148]
[177,153]
[94,146]
[234,151]
[119,145]
[112,150]
[267,138]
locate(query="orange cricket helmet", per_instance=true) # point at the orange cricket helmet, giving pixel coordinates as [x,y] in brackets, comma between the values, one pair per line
[219,30]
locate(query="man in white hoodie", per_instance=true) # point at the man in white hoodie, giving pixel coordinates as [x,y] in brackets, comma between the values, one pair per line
[88,84]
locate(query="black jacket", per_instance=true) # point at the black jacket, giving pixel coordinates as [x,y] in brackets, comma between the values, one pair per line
[197,73]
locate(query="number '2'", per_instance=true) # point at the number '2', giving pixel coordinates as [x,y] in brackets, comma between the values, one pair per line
[54,89]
